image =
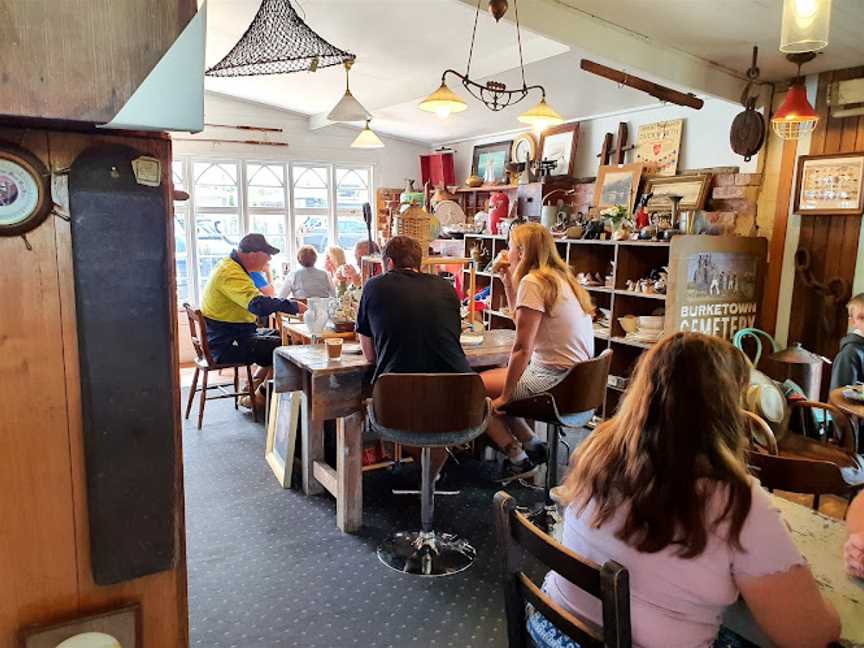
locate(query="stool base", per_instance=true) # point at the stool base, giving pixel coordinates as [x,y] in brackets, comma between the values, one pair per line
[426,553]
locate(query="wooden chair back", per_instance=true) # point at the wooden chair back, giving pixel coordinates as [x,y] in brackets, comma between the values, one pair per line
[429,403]
[582,390]
[839,428]
[798,475]
[198,331]
[610,583]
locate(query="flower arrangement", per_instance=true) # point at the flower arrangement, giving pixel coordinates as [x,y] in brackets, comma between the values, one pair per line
[616,215]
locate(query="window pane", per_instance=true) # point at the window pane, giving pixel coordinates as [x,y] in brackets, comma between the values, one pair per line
[352,189]
[312,230]
[181,256]
[311,187]
[178,173]
[272,226]
[266,185]
[216,184]
[215,236]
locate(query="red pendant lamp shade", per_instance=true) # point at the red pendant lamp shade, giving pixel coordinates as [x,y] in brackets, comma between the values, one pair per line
[795,117]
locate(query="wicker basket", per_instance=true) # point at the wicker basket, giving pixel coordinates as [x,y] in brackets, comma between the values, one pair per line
[416,223]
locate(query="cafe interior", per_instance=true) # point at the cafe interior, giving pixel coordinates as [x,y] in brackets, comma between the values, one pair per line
[441,323]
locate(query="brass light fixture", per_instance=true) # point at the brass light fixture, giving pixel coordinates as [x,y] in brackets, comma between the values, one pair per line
[493,94]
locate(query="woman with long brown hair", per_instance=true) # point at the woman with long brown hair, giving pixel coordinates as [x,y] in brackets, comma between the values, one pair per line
[553,332]
[662,488]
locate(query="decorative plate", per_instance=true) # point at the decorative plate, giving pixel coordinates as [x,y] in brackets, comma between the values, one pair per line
[449,212]
[523,145]
[24,191]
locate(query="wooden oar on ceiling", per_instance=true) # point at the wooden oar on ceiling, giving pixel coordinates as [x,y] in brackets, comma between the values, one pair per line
[660,92]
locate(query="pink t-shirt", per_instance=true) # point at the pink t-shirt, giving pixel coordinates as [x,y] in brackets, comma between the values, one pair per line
[676,602]
[566,335]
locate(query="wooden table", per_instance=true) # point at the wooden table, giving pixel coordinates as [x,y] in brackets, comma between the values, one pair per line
[299,333]
[820,539]
[336,390]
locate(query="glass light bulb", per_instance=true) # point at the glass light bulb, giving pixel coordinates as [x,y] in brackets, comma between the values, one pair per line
[443,112]
[805,8]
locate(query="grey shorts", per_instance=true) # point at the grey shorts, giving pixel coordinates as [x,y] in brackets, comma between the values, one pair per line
[537,379]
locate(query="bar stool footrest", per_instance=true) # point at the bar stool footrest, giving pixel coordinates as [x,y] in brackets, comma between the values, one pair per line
[426,553]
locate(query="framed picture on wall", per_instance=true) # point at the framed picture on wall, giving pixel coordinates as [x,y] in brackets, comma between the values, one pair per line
[830,184]
[559,143]
[497,155]
[693,188]
[617,185]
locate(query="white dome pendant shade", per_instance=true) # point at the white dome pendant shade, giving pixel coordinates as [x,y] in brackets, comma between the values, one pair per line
[367,139]
[348,109]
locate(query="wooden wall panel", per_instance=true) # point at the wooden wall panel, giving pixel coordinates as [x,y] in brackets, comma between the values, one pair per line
[81,60]
[831,240]
[44,550]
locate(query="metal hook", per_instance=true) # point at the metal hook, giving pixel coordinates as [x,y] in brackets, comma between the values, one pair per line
[27,243]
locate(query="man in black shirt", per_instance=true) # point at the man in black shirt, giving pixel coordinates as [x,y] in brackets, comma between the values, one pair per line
[409,321]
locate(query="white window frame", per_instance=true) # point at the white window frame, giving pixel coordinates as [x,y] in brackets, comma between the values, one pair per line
[190,208]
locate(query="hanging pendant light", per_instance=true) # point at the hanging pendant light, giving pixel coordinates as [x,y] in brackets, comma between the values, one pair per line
[367,139]
[805,27]
[493,94]
[443,102]
[795,117]
[541,116]
[348,109]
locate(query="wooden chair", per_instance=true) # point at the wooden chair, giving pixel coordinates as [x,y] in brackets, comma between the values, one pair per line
[205,363]
[570,403]
[833,424]
[610,583]
[428,411]
[803,465]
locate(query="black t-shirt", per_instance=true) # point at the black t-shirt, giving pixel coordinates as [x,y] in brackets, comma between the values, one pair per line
[413,320]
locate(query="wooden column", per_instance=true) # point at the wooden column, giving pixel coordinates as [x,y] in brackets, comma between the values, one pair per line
[44,546]
[831,240]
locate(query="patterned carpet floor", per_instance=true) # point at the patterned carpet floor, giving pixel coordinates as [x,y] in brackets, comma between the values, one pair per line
[268,567]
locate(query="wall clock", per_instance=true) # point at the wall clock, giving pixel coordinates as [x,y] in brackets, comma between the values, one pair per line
[25,193]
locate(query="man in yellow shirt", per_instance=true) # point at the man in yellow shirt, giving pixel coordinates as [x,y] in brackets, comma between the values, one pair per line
[232,303]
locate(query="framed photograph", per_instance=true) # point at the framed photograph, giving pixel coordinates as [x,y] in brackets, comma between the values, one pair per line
[559,143]
[659,143]
[497,155]
[830,184]
[524,149]
[617,185]
[122,625]
[694,188]
[282,427]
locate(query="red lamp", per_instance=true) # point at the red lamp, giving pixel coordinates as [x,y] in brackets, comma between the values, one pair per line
[795,116]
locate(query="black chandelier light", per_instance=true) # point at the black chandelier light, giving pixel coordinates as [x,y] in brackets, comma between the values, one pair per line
[493,94]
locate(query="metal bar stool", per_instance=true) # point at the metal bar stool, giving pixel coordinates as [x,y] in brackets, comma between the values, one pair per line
[428,411]
[570,403]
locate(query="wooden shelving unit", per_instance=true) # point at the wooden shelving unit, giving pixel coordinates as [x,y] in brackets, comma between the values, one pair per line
[627,261]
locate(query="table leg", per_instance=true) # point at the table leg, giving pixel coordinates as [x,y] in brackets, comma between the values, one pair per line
[349,472]
[313,443]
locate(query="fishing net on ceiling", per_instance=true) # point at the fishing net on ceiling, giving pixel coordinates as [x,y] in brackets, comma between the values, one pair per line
[277,42]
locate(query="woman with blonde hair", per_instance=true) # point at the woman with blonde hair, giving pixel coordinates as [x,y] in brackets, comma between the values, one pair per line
[553,332]
[662,488]
[337,266]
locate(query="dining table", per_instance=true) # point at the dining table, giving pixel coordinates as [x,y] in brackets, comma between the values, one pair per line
[337,390]
[820,540]
[298,333]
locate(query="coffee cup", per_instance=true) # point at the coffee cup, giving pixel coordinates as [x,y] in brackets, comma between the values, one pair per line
[334,348]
